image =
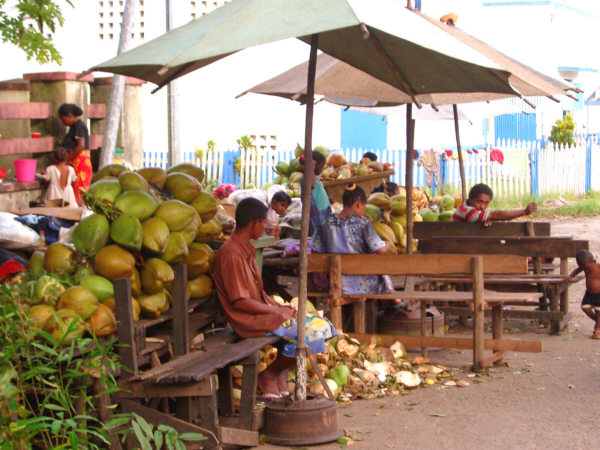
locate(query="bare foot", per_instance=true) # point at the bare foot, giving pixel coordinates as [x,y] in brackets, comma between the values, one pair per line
[282,383]
[267,382]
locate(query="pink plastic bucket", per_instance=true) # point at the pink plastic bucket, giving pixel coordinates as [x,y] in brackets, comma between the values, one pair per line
[25,170]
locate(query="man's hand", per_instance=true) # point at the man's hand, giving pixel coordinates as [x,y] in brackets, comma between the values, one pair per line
[286,312]
[531,208]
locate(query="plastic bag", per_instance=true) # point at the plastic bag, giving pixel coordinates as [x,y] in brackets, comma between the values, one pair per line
[14,235]
[241,194]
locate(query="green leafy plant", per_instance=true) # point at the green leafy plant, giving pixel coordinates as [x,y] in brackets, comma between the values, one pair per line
[163,436]
[210,145]
[25,23]
[47,395]
[562,131]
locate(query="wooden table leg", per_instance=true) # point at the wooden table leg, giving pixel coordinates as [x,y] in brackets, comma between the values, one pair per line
[248,400]
[554,294]
[424,326]
[478,313]
[359,316]
[225,392]
[371,316]
[564,295]
[497,326]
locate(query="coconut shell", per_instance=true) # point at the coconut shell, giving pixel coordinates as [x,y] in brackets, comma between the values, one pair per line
[110,170]
[59,258]
[91,234]
[155,235]
[139,203]
[191,230]
[136,282]
[126,230]
[200,287]
[40,315]
[176,250]
[156,176]
[197,263]
[206,249]
[80,299]
[153,305]
[156,274]
[209,231]
[105,190]
[101,287]
[189,169]
[103,322]
[114,262]
[176,214]
[133,181]
[205,205]
[182,186]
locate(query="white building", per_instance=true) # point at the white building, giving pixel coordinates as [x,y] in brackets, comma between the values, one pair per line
[543,34]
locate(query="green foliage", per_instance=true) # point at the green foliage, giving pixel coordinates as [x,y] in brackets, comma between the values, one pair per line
[25,23]
[46,395]
[163,436]
[562,131]
[245,143]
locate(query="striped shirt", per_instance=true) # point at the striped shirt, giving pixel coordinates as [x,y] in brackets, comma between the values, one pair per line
[466,213]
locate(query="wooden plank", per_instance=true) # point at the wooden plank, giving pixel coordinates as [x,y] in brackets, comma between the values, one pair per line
[542,246]
[425,230]
[235,436]
[423,326]
[204,363]
[157,418]
[447,296]
[125,326]
[419,264]
[478,311]
[16,146]
[512,313]
[179,306]
[62,213]
[451,342]
[145,389]
[32,110]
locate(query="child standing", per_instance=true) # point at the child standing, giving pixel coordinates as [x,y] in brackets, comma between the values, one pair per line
[475,208]
[591,300]
[279,203]
[61,176]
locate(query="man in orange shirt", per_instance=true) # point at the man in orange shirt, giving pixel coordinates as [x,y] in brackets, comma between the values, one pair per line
[251,312]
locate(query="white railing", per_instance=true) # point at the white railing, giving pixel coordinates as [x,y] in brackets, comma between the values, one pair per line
[595,164]
[562,169]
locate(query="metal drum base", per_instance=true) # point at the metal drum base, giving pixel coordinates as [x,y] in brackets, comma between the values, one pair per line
[312,421]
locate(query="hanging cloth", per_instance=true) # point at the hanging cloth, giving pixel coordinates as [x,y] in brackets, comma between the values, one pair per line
[430,160]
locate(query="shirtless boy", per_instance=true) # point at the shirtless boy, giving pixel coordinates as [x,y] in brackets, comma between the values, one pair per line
[591,300]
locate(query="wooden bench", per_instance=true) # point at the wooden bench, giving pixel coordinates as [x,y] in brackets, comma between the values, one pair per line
[199,381]
[552,286]
[434,264]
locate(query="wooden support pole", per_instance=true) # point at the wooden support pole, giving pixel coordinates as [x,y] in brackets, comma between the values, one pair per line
[423,326]
[497,325]
[359,316]
[125,326]
[461,164]
[335,291]
[478,316]
[410,148]
[564,295]
[248,400]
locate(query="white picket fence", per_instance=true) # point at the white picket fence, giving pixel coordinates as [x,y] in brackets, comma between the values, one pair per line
[560,170]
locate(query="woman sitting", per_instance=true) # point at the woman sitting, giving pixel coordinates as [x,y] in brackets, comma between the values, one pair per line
[351,232]
[61,176]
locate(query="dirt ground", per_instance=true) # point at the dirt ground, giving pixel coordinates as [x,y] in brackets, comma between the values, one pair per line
[538,400]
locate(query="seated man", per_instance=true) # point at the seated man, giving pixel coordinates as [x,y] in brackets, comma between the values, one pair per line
[250,311]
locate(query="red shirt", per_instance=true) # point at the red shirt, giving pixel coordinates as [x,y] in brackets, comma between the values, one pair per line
[237,277]
[466,213]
